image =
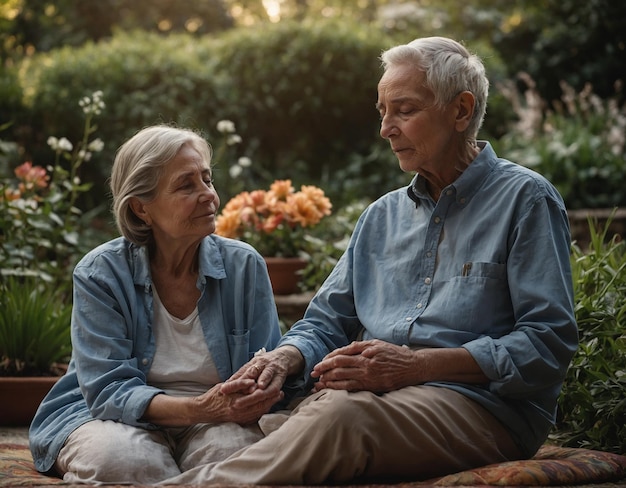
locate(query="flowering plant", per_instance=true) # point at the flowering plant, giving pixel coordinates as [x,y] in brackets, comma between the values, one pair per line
[39,222]
[274,221]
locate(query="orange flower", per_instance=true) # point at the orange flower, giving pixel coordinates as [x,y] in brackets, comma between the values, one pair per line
[11,194]
[273,220]
[228,222]
[32,176]
[281,188]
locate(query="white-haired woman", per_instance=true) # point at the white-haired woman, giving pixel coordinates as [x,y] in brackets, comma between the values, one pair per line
[441,339]
[161,317]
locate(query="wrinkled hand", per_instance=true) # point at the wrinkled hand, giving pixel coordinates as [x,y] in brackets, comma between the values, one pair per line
[373,365]
[222,407]
[260,380]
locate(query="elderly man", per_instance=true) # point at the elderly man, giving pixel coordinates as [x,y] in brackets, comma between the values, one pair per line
[441,339]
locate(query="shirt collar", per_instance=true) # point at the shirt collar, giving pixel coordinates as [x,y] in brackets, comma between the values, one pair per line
[210,262]
[465,185]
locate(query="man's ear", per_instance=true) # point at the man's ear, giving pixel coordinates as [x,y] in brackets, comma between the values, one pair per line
[465,110]
[139,209]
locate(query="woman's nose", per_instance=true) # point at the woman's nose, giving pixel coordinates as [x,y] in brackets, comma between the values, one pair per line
[208,192]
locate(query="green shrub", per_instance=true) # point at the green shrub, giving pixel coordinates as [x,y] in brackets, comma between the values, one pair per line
[10,96]
[304,93]
[146,80]
[592,406]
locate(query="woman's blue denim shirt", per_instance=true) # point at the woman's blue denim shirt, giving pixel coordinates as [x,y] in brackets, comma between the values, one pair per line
[486,267]
[112,341]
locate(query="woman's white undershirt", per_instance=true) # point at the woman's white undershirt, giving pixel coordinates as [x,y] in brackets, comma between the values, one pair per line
[182,364]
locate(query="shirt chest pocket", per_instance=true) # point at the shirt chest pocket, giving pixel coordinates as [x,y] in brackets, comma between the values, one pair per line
[475,298]
[477,271]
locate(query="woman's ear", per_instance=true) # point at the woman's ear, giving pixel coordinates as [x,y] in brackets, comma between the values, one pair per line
[465,110]
[139,209]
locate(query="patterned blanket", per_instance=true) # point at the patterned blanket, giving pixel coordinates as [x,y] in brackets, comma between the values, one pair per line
[551,466]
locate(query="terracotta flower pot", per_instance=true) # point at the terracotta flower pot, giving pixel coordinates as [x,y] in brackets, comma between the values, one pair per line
[21,396]
[284,274]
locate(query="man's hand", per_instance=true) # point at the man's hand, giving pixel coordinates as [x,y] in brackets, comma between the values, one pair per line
[374,365]
[262,378]
[379,366]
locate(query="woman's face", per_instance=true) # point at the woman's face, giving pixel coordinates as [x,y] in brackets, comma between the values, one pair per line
[186,201]
[422,136]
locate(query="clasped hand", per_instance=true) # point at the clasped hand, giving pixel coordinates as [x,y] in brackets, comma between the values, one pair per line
[373,365]
[258,383]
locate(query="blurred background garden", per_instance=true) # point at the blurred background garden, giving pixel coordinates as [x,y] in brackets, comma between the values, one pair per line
[285,89]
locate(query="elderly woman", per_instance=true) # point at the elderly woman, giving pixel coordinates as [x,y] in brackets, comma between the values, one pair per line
[441,339]
[161,317]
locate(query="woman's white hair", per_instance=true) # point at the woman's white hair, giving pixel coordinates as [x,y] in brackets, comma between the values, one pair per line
[449,69]
[137,169]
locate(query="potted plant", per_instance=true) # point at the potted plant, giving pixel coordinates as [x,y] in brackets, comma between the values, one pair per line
[39,245]
[276,222]
[35,345]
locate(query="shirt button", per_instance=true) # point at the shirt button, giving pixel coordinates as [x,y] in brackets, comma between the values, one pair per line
[409,319]
[427,281]
[144,361]
[462,201]
[437,220]
[419,305]
[429,254]
[449,192]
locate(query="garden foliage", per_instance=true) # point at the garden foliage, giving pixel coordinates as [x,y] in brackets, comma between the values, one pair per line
[592,406]
[577,142]
[41,227]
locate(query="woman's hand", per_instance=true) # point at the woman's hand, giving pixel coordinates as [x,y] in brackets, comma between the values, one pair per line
[212,406]
[216,406]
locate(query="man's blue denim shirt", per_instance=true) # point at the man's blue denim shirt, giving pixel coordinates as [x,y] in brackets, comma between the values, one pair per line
[113,344]
[487,268]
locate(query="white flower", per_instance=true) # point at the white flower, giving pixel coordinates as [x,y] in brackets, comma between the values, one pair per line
[84,155]
[244,162]
[92,105]
[233,139]
[226,126]
[23,204]
[96,145]
[53,142]
[235,171]
[65,145]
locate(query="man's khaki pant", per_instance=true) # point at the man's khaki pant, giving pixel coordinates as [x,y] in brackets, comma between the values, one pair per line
[334,436]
